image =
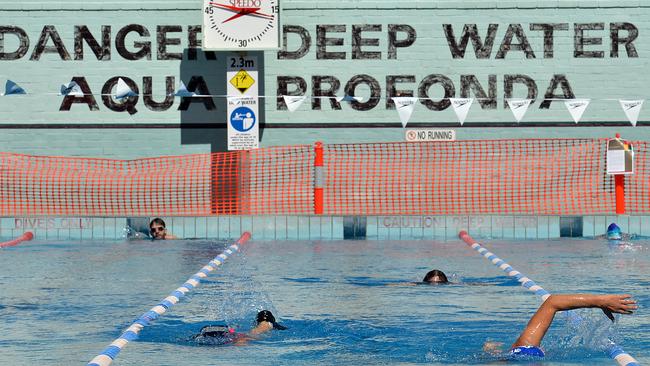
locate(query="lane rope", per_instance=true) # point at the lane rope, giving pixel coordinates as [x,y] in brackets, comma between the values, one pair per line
[131,333]
[614,351]
[27,236]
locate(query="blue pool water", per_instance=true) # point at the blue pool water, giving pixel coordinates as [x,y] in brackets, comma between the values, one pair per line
[345,303]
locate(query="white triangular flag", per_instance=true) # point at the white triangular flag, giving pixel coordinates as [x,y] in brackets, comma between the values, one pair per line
[461,107]
[123,90]
[12,88]
[349,98]
[405,107]
[632,108]
[293,101]
[183,92]
[71,88]
[576,107]
[519,107]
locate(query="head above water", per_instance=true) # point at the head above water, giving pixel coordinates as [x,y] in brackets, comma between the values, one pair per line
[435,276]
[267,316]
[614,232]
[157,228]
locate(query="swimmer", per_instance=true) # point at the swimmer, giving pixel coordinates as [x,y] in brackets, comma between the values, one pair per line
[158,231]
[615,235]
[223,334]
[529,342]
[435,277]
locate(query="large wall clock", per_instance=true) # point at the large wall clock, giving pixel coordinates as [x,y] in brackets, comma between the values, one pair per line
[241,24]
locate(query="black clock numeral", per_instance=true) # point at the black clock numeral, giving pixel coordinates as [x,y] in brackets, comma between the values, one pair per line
[209,10]
[275,9]
[243,43]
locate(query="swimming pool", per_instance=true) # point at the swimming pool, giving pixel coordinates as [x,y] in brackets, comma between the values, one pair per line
[343,301]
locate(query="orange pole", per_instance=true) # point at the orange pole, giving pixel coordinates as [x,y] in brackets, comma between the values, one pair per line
[318,178]
[619,183]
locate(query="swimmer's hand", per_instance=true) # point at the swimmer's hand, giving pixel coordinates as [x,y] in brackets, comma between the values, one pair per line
[493,348]
[621,304]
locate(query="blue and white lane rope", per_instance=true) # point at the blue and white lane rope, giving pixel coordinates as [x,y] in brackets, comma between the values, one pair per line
[613,350]
[131,333]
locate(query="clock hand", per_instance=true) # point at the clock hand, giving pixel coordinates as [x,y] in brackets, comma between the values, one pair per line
[241,11]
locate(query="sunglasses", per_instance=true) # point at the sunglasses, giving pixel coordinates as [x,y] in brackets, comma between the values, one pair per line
[159,229]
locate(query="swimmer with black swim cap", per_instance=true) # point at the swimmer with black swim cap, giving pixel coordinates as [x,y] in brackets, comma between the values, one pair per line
[435,277]
[223,334]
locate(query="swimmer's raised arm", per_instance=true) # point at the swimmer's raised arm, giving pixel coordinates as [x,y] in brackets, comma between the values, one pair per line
[541,321]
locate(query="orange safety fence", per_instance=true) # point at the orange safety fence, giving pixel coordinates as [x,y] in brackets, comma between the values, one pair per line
[500,177]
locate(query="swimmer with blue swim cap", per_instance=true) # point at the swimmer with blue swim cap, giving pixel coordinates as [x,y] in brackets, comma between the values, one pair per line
[528,345]
[614,232]
[223,334]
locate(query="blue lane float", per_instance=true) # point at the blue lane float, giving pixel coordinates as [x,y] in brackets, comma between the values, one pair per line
[131,333]
[614,351]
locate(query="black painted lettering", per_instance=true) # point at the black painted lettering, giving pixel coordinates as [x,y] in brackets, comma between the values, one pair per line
[375,92]
[393,43]
[567,92]
[358,41]
[163,41]
[197,85]
[87,98]
[144,47]
[508,86]
[470,83]
[23,45]
[318,92]
[392,91]
[507,45]
[579,40]
[194,44]
[82,33]
[632,34]
[482,50]
[305,43]
[549,29]
[127,104]
[147,96]
[49,32]
[447,85]
[283,83]
[322,41]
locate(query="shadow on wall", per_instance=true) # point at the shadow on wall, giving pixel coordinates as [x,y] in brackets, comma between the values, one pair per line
[203,120]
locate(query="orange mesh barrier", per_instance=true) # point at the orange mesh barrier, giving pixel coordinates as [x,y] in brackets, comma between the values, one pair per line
[530,176]
[535,176]
[637,185]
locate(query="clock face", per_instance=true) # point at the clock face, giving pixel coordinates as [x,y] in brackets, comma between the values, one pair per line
[241,24]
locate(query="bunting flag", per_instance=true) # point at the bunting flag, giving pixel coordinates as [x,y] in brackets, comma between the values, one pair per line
[576,107]
[349,98]
[632,108]
[12,88]
[405,107]
[519,107]
[461,107]
[123,90]
[71,88]
[293,101]
[183,92]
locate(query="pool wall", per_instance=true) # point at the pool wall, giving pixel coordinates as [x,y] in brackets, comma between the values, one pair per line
[329,228]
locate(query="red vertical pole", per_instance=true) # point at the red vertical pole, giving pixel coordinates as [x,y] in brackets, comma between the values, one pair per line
[619,188]
[619,183]
[318,178]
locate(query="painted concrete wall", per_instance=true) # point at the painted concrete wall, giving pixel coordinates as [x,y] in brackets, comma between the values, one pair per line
[600,64]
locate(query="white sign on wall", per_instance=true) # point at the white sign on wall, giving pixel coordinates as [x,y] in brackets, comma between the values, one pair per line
[430,135]
[243,102]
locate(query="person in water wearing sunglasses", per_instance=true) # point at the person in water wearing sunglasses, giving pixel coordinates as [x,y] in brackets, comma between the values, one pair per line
[158,231]
[528,345]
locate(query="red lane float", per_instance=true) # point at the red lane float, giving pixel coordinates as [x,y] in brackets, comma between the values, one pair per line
[27,236]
